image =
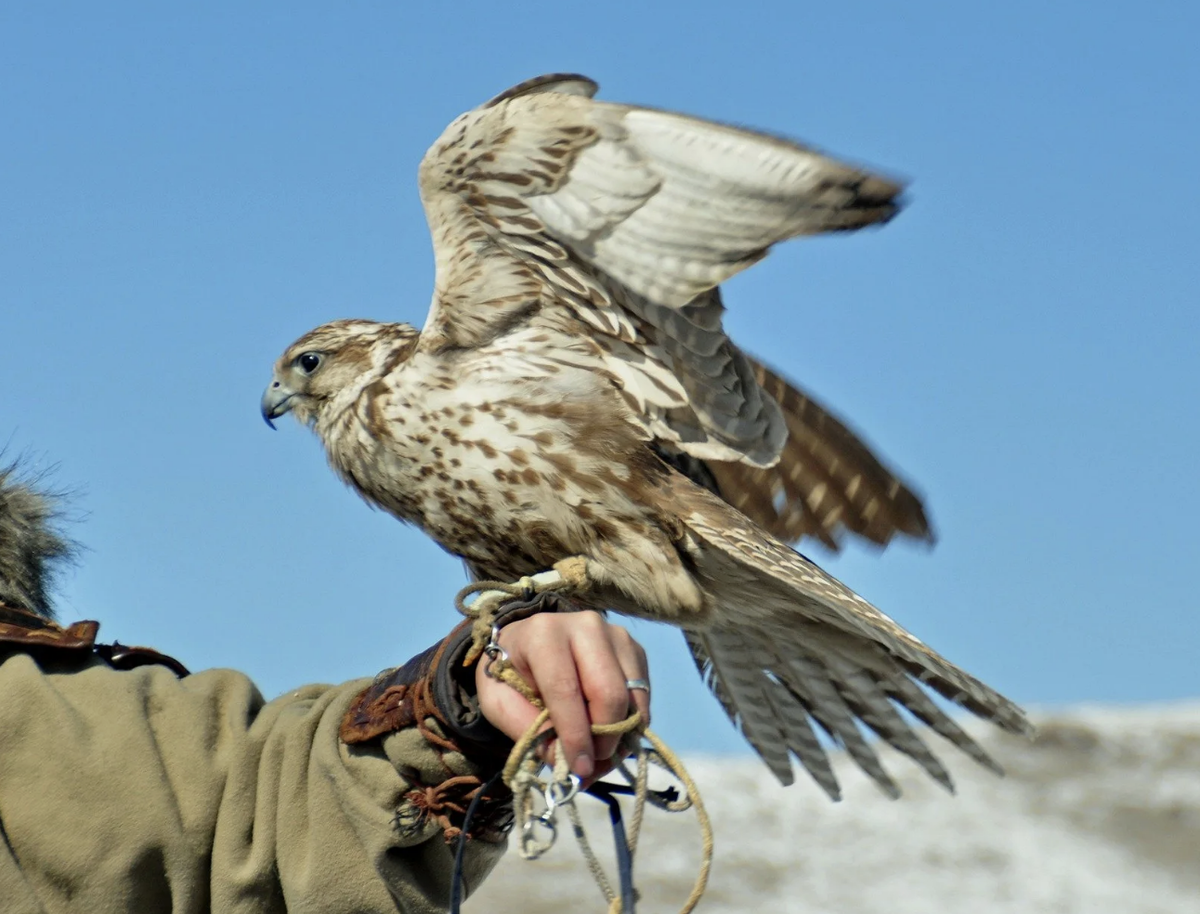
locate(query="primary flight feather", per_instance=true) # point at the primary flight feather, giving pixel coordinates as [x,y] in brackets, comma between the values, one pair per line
[573,393]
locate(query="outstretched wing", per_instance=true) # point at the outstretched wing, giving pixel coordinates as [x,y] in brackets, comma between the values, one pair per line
[826,479]
[616,223]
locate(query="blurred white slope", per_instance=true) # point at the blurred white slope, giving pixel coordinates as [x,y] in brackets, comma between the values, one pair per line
[1101,814]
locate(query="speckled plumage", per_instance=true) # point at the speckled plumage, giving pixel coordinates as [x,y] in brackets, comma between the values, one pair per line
[573,384]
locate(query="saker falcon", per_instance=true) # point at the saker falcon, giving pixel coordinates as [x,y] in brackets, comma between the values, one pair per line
[573,393]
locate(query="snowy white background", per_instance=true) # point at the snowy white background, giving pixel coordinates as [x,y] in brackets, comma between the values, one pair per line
[1101,814]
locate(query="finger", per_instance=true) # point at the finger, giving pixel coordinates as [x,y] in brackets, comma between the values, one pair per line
[503,706]
[501,703]
[553,674]
[633,662]
[601,677]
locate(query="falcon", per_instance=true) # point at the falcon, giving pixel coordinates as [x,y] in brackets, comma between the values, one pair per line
[574,393]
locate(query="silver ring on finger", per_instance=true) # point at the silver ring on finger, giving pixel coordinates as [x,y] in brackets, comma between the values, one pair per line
[640,684]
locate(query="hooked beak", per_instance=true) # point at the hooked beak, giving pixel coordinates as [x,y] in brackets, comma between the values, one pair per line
[276,400]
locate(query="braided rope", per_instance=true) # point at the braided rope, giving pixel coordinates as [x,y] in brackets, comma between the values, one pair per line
[522,770]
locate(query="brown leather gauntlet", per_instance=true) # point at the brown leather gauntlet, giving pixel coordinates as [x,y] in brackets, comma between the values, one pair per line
[435,686]
[435,693]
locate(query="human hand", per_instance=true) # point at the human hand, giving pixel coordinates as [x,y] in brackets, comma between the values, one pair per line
[578,663]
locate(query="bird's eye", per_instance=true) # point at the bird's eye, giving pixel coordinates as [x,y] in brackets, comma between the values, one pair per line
[309,361]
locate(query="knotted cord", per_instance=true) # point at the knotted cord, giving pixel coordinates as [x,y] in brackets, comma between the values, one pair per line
[522,772]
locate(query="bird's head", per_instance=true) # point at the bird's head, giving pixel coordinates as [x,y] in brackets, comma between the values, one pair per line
[334,359]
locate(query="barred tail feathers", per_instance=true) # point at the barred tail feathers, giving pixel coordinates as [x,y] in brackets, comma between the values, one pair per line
[807,648]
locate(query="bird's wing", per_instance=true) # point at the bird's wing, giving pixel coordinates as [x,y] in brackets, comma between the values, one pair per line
[551,208]
[826,480]
[788,642]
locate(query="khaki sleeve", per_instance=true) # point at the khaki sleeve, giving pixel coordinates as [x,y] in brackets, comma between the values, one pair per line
[138,791]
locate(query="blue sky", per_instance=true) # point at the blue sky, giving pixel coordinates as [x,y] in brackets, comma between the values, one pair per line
[183,191]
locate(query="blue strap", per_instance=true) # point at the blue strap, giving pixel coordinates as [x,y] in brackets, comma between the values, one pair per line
[606,792]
